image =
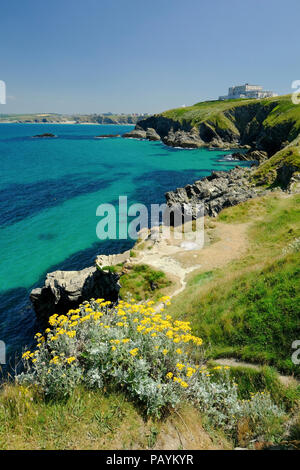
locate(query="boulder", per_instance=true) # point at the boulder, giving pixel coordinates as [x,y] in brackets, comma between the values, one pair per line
[151,134]
[67,289]
[294,183]
[137,133]
[184,139]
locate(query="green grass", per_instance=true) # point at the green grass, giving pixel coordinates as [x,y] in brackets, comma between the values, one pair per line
[257,315]
[279,110]
[27,421]
[250,309]
[267,173]
[93,420]
[143,282]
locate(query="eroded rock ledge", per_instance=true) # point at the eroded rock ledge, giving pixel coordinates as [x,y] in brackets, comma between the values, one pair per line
[67,289]
[219,190]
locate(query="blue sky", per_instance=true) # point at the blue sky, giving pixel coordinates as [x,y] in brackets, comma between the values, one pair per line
[85,56]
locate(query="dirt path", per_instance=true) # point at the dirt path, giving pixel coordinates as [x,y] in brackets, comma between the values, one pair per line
[286,380]
[173,257]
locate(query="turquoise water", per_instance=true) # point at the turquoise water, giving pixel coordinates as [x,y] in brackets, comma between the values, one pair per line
[49,192]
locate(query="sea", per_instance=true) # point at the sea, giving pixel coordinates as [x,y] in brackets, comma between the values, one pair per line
[50,189]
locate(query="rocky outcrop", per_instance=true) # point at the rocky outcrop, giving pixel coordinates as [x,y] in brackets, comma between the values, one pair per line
[67,289]
[46,134]
[252,155]
[288,176]
[184,139]
[107,136]
[137,133]
[112,260]
[219,190]
[151,134]
[294,183]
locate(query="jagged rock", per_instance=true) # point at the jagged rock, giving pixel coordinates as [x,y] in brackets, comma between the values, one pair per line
[259,155]
[294,183]
[252,155]
[219,190]
[217,142]
[184,139]
[151,134]
[285,173]
[112,260]
[137,133]
[67,289]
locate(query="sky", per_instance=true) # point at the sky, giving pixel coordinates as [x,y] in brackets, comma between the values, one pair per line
[133,56]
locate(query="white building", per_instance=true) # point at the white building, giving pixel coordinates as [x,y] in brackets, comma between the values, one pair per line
[247,91]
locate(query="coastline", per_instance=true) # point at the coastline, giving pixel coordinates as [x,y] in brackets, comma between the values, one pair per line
[71,123]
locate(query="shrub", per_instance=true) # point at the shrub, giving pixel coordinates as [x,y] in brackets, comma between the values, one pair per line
[139,349]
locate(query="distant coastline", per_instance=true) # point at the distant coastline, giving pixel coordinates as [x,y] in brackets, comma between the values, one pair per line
[86,119]
[70,123]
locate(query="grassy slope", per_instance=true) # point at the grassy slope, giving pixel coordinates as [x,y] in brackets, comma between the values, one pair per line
[283,111]
[266,174]
[93,420]
[250,310]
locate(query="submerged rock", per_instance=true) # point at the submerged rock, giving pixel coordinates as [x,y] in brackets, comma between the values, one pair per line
[46,134]
[67,289]
[107,136]
[219,190]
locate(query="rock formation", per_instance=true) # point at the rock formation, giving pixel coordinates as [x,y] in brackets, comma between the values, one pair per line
[219,190]
[103,261]
[252,155]
[137,133]
[107,136]
[46,134]
[67,289]
[151,134]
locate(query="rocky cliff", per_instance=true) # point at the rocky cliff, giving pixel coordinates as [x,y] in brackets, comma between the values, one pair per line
[265,127]
[219,190]
[67,289]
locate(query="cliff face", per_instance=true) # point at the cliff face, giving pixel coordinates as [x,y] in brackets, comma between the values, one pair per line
[243,123]
[219,190]
[270,125]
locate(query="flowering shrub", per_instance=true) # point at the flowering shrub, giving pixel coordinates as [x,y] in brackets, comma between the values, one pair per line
[136,347]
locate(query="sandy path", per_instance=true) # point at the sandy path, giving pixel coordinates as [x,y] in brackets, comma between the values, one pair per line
[286,380]
[173,259]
